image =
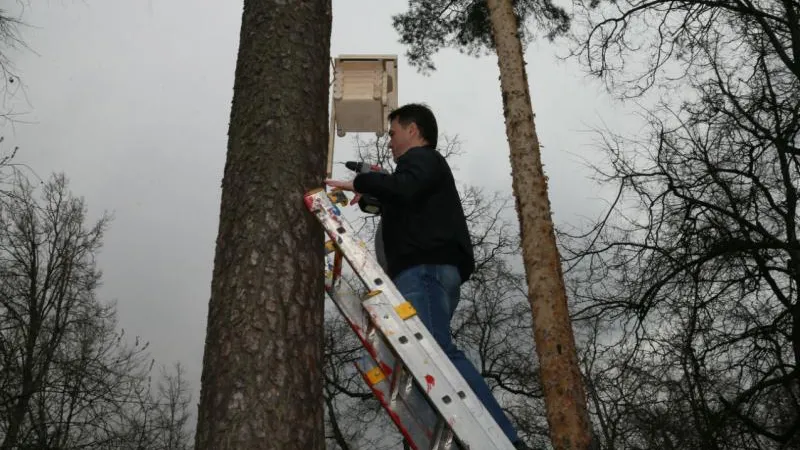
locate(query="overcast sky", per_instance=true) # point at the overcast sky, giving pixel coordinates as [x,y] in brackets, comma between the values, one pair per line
[131,99]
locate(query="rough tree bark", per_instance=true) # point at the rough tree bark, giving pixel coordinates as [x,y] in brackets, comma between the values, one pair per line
[565,400]
[262,368]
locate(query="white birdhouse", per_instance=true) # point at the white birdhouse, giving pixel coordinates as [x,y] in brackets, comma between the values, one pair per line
[364,92]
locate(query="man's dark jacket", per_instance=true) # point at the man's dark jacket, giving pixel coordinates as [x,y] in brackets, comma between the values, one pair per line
[423,220]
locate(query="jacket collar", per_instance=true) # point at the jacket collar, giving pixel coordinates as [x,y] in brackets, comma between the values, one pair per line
[412,148]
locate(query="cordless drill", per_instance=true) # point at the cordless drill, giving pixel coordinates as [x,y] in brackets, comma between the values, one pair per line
[368,203]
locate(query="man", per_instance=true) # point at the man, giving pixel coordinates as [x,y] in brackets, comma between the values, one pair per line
[426,242]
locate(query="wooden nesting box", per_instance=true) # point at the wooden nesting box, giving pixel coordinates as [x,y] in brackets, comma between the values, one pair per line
[364,92]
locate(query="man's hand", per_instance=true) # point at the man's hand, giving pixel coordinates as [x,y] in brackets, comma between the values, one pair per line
[345,186]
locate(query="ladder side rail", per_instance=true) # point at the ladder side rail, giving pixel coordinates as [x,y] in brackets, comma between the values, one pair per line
[448,398]
[371,274]
[411,412]
[372,370]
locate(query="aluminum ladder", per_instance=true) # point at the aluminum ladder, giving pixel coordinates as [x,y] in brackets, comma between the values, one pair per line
[422,391]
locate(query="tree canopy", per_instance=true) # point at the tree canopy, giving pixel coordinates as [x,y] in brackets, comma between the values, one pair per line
[430,25]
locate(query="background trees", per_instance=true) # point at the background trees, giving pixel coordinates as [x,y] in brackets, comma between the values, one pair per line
[9,38]
[686,292]
[69,379]
[713,329]
[689,285]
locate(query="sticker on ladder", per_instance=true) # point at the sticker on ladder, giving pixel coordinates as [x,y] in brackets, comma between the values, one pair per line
[334,210]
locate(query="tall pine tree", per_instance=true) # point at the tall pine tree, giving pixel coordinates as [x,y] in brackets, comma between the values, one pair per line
[262,369]
[495,25]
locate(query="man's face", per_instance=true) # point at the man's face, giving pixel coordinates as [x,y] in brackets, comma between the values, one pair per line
[400,137]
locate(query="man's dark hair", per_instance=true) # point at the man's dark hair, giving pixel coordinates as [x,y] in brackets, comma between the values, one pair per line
[422,116]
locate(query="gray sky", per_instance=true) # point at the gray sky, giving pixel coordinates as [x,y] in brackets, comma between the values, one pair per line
[132,100]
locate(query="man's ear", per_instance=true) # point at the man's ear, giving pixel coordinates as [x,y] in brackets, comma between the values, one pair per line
[414,130]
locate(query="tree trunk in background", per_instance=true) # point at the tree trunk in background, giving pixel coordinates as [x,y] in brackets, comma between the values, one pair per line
[262,368]
[565,400]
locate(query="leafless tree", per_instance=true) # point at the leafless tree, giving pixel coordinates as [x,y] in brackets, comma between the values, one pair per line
[10,39]
[174,400]
[688,286]
[48,284]
[157,417]
[10,86]
[68,378]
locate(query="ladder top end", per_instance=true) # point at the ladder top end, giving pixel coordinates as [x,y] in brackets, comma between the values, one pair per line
[308,197]
[314,191]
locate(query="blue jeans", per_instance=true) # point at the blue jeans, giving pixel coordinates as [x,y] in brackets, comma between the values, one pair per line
[434,291]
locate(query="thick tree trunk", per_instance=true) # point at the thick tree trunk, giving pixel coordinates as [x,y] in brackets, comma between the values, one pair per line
[262,368]
[565,400]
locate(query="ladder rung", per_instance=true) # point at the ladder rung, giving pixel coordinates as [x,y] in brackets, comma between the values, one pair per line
[401,381]
[411,426]
[443,437]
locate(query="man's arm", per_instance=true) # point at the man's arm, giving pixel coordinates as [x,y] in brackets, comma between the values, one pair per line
[418,171]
